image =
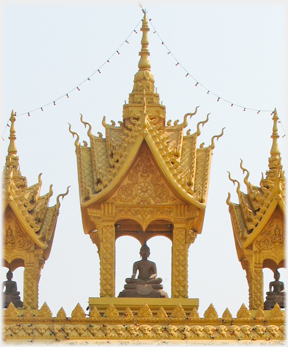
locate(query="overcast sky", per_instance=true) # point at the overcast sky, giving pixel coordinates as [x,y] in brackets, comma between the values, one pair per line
[236,50]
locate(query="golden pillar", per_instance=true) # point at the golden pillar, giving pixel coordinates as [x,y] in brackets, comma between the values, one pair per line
[179,263]
[32,269]
[107,260]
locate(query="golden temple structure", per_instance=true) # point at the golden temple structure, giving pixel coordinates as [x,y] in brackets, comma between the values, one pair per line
[143,179]
[258,223]
[29,224]
[146,178]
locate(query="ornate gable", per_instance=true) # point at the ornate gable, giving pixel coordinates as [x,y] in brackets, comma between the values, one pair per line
[144,184]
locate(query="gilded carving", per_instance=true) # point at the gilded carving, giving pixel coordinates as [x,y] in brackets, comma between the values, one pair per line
[45,311]
[227,316]
[61,314]
[111,312]
[107,261]
[14,238]
[145,312]
[244,312]
[210,313]
[179,263]
[194,315]
[78,312]
[144,212]
[144,185]
[272,237]
[178,312]
[161,314]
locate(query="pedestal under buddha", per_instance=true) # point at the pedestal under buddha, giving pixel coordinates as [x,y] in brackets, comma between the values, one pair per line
[147,284]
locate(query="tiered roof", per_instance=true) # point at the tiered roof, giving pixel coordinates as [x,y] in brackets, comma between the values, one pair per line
[30,209]
[102,165]
[256,207]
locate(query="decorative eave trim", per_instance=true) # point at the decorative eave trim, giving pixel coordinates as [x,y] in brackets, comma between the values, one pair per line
[24,223]
[264,221]
[182,192]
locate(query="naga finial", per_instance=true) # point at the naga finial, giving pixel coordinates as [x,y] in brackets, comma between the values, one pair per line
[234,181]
[50,190]
[228,202]
[185,122]
[212,146]
[86,123]
[58,197]
[77,136]
[247,173]
[202,122]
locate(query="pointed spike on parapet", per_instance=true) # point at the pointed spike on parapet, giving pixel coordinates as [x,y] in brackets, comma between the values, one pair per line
[275,148]
[161,314]
[211,313]
[111,312]
[61,314]
[244,312]
[128,314]
[194,315]
[11,311]
[259,313]
[227,316]
[78,312]
[12,146]
[45,311]
[145,311]
[276,312]
[94,313]
[178,312]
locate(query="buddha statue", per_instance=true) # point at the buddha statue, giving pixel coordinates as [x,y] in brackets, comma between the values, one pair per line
[275,295]
[147,284]
[11,294]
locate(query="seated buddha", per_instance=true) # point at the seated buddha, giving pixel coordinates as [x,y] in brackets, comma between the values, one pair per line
[147,284]
[11,294]
[275,295]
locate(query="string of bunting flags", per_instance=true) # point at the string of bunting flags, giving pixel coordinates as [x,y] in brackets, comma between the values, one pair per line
[208,91]
[117,51]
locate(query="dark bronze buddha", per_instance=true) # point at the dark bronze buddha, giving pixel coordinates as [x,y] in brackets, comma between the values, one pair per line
[11,294]
[275,295]
[147,284]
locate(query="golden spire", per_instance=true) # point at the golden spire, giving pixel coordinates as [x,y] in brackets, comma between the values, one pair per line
[12,146]
[144,63]
[143,87]
[275,159]
[275,149]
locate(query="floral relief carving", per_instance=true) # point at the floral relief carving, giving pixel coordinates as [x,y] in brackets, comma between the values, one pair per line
[14,238]
[272,238]
[144,184]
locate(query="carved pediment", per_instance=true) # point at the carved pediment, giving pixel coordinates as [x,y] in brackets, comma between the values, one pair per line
[272,237]
[144,184]
[14,238]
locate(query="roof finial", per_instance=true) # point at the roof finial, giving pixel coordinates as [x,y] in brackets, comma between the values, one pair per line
[12,146]
[144,63]
[275,149]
